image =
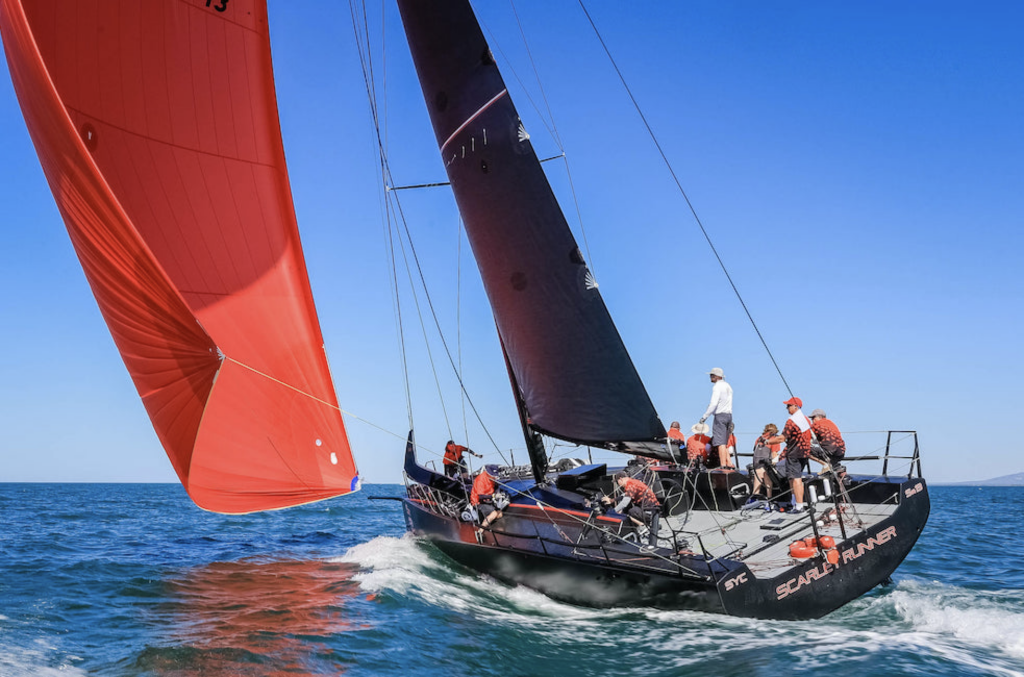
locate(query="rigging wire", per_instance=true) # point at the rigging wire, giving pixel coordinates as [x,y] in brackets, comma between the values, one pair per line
[362,42]
[544,505]
[458,321]
[682,192]
[426,339]
[437,323]
[403,225]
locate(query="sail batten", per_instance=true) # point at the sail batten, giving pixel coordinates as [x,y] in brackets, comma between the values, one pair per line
[576,378]
[156,125]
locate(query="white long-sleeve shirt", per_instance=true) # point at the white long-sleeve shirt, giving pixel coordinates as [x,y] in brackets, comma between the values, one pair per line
[721,399]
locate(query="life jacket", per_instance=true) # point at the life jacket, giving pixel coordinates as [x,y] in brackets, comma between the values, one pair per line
[453,454]
[697,446]
[483,487]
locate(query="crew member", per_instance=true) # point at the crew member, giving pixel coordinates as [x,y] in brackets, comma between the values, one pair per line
[699,443]
[797,436]
[453,459]
[721,408]
[764,455]
[642,499]
[482,497]
[676,439]
[829,437]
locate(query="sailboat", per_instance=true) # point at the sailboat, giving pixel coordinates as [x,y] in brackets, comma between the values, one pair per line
[707,546]
[157,128]
[172,184]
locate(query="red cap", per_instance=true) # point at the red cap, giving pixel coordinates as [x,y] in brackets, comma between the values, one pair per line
[796,401]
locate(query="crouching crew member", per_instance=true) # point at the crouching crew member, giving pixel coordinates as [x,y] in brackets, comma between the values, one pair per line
[642,501]
[482,498]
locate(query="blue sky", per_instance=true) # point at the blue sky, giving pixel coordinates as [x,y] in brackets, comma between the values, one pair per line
[860,168]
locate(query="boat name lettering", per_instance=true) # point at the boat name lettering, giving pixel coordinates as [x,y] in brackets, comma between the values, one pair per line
[219,7]
[825,568]
[738,580]
[917,488]
[883,536]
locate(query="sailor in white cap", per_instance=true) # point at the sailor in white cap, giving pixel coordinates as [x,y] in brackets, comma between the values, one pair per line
[721,408]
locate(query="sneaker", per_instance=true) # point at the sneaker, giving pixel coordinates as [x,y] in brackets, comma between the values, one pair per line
[797,510]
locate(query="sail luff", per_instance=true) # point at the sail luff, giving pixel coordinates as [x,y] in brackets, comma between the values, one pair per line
[576,377]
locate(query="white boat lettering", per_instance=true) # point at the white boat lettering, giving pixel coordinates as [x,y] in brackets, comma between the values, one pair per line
[883,536]
[794,584]
[917,488]
[738,580]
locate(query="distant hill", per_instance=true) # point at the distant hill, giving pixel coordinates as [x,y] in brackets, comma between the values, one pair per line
[1016,480]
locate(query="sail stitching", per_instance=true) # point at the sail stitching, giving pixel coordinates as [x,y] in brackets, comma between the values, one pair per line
[170,144]
[474,116]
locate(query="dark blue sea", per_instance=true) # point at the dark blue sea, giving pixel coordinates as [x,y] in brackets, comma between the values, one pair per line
[133,579]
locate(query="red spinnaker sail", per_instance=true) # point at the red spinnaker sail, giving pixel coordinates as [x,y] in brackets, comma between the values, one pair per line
[157,128]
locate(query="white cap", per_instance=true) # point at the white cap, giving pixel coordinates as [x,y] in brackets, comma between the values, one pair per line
[717,371]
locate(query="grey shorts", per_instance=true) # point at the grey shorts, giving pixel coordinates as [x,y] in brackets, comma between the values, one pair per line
[720,431]
[794,468]
[485,509]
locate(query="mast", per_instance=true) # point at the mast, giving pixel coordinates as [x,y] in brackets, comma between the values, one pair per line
[534,442]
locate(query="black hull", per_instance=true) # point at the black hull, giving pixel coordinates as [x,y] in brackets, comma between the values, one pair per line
[808,589]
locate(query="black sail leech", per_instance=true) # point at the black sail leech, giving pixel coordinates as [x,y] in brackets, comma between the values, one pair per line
[576,379]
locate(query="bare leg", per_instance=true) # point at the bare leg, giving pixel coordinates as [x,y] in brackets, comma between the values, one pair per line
[798,490]
[761,482]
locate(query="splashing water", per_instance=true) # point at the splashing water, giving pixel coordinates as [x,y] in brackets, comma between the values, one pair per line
[134,580]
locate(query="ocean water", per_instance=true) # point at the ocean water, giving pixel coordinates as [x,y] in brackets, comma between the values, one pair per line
[119,579]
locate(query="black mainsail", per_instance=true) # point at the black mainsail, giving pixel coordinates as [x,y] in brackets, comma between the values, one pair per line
[575,379]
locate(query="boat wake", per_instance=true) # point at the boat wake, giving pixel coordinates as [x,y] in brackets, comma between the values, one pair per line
[911,625]
[412,568]
[39,661]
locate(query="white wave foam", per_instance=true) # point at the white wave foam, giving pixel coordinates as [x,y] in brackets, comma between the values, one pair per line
[34,663]
[979,631]
[402,566]
[994,622]
[975,630]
